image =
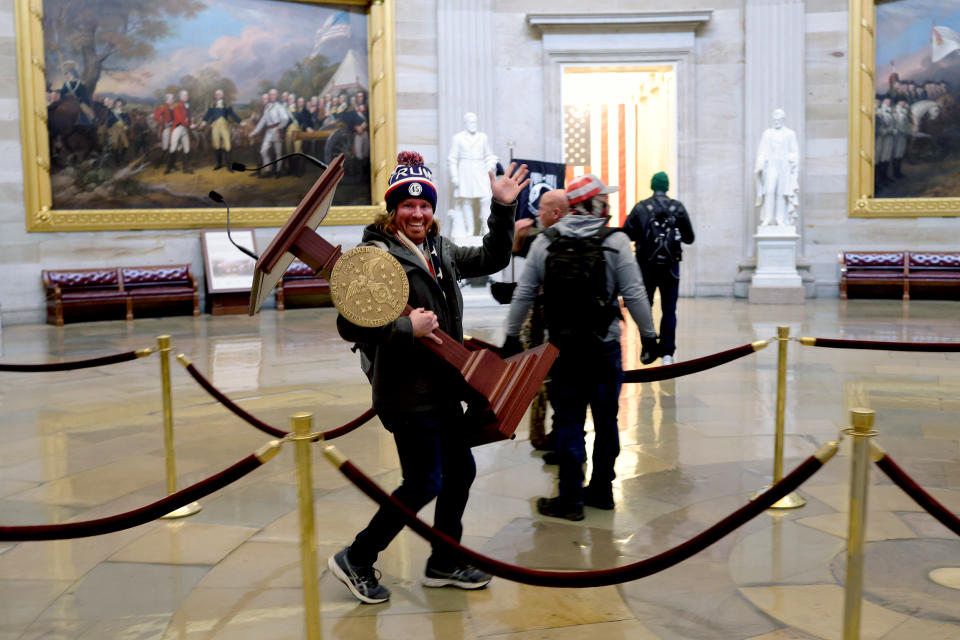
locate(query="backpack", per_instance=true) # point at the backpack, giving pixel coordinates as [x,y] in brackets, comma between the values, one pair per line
[662,245]
[577,309]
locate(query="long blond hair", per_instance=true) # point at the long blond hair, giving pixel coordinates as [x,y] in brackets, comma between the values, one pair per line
[387,223]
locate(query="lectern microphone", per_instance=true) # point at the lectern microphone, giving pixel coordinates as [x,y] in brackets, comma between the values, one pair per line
[216,197]
[239,166]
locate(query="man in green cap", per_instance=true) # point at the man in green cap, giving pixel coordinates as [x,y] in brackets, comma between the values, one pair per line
[657,226]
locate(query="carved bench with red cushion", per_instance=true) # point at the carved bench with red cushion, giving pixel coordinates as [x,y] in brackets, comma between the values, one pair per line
[883,270]
[877,272]
[106,293]
[171,283]
[82,288]
[934,273]
[300,280]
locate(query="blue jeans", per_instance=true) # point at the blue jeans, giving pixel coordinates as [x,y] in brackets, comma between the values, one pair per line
[593,378]
[436,462]
[665,277]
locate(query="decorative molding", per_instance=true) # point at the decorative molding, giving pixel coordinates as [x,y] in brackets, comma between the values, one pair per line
[656,20]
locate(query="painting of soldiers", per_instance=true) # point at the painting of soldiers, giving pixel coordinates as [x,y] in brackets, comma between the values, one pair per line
[155,127]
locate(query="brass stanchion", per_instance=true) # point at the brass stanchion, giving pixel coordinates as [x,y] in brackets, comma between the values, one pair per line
[862,420]
[302,426]
[163,346]
[792,500]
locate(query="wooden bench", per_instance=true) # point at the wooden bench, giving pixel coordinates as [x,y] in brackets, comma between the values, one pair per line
[112,293]
[91,291]
[304,285]
[159,285]
[934,274]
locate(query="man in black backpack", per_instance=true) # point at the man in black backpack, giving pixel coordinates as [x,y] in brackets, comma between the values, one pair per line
[583,266]
[658,225]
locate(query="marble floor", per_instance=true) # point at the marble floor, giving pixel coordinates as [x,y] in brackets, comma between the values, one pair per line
[85,444]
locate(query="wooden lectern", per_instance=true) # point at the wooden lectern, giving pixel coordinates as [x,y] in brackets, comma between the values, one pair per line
[501,389]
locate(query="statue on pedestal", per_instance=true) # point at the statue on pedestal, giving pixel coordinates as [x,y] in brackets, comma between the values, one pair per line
[469,160]
[777,170]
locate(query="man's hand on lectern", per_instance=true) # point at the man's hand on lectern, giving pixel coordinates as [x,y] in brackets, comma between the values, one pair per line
[424,322]
[511,347]
[510,184]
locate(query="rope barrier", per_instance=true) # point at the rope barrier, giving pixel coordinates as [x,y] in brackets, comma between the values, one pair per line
[78,364]
[833,343]
[130,519]
[676,370]
[252,420]
[594,578]
[914,490]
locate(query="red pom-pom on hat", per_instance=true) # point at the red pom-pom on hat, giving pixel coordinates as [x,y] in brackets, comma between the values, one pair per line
[409,158]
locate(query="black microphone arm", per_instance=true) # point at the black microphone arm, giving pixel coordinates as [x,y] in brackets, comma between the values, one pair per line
[238,166]
[216,197]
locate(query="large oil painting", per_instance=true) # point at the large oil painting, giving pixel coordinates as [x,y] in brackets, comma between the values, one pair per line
[905,108]
[148,105]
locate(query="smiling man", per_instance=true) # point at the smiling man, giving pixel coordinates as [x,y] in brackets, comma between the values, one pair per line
[415,395]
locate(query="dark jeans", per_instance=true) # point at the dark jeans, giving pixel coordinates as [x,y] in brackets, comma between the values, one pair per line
[590,378]
[436,463]
[665,277]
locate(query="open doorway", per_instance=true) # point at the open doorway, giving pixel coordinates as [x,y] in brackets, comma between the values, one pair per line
[620,123]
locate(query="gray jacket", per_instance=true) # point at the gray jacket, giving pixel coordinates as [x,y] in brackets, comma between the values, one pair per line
[623,275]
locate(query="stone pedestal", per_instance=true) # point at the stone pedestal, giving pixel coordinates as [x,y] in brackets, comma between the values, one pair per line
[776,280]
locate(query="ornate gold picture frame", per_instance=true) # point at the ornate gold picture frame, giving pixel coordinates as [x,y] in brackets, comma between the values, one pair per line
[863,158]
[35,95]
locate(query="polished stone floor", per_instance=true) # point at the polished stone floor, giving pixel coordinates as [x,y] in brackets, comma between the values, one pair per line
[85,444]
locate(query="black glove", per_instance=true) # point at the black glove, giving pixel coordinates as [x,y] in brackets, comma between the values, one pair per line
[649,350]
[511,347]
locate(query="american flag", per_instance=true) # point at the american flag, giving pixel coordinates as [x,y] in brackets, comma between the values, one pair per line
[623,141]
[337,25]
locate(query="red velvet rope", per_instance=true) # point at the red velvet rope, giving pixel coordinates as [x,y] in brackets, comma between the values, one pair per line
[72,365]
[594,578]
[133,518]
[263,426]
[832,343]
[685,368]
[921,497]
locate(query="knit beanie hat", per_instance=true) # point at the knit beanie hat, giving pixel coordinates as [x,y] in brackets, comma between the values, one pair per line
[660,181]
[411,179]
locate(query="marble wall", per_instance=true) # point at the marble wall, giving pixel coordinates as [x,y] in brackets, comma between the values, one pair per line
[716,198]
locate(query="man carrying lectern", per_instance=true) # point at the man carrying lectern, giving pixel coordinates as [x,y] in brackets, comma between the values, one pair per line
[418,400]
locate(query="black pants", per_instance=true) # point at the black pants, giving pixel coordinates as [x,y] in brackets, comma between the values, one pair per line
[665,277]
[436,462]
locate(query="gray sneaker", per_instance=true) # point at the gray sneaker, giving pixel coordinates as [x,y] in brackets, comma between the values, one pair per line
[363,582]
[462,576]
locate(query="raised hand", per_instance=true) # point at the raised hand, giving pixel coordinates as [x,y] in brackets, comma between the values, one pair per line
[510,184]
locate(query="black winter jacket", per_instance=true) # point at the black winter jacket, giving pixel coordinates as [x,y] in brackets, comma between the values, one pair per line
[638,223]
[406,377]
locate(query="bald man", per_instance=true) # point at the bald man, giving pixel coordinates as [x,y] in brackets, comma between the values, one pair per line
[552,207]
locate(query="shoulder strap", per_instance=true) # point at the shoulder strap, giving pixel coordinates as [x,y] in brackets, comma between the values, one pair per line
[551,234]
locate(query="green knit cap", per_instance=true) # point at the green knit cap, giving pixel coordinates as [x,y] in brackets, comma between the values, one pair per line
[660,181]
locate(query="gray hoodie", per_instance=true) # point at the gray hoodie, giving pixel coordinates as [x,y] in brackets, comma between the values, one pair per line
[623,273]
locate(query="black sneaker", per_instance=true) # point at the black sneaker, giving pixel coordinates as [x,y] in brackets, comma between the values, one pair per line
[551,457]
[557,508]
[462,576]
[598,498]
[362,581]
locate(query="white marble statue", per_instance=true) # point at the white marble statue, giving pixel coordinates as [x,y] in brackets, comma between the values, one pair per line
[777,174]
[469,160]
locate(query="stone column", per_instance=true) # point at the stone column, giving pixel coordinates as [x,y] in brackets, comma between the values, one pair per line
[774,78]
[465,80]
